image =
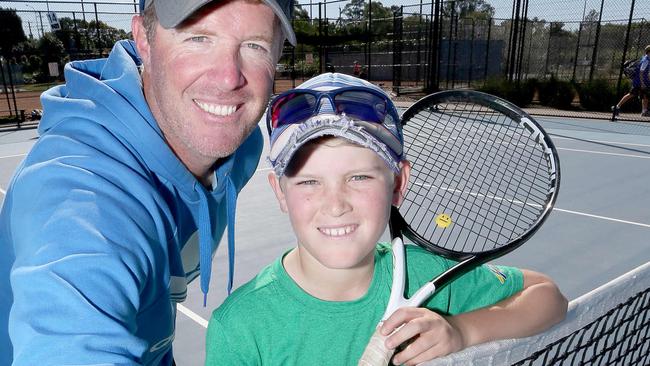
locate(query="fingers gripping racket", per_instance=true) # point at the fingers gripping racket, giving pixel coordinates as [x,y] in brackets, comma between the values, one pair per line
[484,177]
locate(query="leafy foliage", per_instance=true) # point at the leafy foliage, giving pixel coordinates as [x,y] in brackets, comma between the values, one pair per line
[597,95]
[11,31]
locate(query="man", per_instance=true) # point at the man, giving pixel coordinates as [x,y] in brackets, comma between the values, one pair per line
[639,75]
[126,194]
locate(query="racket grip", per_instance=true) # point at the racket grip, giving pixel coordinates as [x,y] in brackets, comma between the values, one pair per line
[376,353]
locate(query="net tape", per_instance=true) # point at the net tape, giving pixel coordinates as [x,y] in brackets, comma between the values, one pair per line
[607,326]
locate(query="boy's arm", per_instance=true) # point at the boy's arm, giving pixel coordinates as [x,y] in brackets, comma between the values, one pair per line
[538,306]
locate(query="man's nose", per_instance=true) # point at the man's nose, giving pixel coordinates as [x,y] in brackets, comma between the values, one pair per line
[227,69]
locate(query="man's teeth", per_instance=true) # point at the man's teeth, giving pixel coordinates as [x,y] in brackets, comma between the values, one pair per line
[339,231]
[218,110]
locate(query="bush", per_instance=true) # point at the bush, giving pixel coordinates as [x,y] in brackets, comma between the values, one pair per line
[556,93]
[597,95]
[520,94]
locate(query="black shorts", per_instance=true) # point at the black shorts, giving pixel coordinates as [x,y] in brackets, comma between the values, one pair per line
[640,92]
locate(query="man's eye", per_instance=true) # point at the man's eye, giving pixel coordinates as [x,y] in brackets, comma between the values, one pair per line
[360,177]
[256,46]
[198,38]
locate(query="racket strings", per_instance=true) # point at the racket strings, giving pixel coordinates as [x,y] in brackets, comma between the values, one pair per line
[478,166]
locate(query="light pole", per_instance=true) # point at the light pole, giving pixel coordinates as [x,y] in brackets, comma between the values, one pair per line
[39,15]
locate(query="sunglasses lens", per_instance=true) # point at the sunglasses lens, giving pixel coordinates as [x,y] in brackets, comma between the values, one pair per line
[362,105]
[292,108]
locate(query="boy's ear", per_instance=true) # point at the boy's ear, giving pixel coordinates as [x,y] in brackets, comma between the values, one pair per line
[274,181]
[140,38]
[401,182]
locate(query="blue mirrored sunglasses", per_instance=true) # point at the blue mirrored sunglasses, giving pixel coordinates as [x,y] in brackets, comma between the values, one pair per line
[298,105]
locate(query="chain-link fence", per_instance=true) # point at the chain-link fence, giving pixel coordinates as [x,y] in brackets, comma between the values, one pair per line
[494,45]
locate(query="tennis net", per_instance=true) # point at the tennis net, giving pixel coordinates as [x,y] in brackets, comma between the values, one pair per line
[607,326]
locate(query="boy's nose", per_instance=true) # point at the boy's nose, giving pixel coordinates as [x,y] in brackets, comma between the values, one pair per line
[335,203]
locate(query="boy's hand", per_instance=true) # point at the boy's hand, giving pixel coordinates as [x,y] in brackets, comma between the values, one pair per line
[430,335]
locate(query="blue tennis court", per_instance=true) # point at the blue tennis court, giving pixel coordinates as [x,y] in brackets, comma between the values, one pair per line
[598,230]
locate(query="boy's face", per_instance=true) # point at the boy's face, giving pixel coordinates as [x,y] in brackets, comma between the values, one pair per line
[338,197]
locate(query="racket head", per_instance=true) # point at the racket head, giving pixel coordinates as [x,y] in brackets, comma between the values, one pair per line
[484,175]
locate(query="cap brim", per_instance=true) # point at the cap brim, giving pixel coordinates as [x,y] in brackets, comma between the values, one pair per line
[172,13]
[288,140]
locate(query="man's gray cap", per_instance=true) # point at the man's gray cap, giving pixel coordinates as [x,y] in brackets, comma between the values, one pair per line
[171,13]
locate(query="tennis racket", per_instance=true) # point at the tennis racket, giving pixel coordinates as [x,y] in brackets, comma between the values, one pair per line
[484,177]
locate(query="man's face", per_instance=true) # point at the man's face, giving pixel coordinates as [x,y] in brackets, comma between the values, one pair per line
[207,83]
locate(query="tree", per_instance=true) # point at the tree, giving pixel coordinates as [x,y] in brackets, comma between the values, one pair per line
[355,10]
[476,9]
[51,50]
[11,31]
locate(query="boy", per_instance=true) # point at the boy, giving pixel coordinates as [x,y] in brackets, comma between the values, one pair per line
[337,174]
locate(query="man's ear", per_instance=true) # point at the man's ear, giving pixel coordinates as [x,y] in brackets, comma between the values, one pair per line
[141,40]
[274,181]
[401,182]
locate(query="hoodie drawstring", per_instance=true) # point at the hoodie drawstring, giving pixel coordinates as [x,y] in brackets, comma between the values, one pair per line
[205,236]
[205,242]
[231,204]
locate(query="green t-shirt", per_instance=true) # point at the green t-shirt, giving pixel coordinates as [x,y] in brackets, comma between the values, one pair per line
[270,320]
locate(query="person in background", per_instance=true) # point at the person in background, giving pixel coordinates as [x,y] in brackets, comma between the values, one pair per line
[356,68]
[134,178]
[640,78]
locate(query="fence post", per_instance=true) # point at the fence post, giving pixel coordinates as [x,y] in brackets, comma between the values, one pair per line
[368,70]
[594,55]
[397,49]
[99,36]
[487,50]
[4,85]
[451,30]
[627,39]
[575,57]
[321,53]
[522,42]
[512,47]
[471,55]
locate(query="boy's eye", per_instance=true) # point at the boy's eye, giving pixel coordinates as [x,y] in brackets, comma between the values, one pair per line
[307,182]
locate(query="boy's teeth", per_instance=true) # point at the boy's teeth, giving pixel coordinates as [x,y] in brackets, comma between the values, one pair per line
[218,110]
[339,231]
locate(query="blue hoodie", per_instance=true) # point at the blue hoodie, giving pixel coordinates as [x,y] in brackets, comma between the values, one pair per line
[102,226]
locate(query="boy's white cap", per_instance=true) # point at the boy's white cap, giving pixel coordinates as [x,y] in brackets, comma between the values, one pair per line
[171,13]
[383,138]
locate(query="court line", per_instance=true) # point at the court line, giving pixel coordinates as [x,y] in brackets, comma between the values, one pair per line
[192,315]
[4,193]
[456,191]
[602,141]
[12,156]
[602,217]
[604,153]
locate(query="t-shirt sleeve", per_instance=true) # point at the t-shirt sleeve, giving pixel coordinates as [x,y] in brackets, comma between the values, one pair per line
[483,286]
[227,346]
